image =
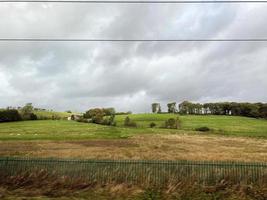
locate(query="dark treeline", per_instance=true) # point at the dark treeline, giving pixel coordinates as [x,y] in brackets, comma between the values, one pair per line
[22,113]
[9,115]
[256,110]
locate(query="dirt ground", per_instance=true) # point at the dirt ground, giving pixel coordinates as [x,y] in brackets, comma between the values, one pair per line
[153,147]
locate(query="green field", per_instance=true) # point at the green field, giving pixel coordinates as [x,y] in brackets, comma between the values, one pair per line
[228,125]
[63,130]
[59,130]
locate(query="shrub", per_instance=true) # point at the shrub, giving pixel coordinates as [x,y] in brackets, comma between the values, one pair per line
[33,116]
[172,123]
[9,115]
[109,121]
[203,129]
[152,125]
[128,122]
[81,119]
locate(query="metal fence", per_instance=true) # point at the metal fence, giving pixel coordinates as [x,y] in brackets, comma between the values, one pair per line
[140,171]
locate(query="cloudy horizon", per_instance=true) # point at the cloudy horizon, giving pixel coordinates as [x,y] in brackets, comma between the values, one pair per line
[131,75]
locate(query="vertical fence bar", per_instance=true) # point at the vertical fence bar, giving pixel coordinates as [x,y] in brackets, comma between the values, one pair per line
[134,172]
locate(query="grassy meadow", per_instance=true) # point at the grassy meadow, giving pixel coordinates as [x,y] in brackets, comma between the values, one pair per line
[64,130]
[230,138]
[227,125]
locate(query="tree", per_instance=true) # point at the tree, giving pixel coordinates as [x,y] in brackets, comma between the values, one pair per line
[27,109]
[172,107]
[27,112]
[109,111]
[95,114]
[249,110]
[263,111]
[185,107]
[156,108]
[226,108]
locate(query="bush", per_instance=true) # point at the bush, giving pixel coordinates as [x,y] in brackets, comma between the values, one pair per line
[33,116]
[172,123]
[203,129]
[9,115]
[81,119]
[109,121]
[128,122]
[152,125]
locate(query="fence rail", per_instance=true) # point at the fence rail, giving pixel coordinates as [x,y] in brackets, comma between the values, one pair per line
[139,171]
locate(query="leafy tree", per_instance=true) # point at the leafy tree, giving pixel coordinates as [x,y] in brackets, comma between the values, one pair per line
[95,114]
[156,108]
[27,109]
[109,111]
[263,111]
[172,107]
[27,112]
[249,110]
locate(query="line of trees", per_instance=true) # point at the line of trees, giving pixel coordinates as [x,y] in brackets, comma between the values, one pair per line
[24,113]
[256,110]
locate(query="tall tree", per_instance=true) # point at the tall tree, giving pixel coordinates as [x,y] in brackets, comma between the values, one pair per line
[172,107]
[156,108]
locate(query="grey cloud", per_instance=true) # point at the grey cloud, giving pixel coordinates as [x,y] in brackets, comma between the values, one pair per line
[130,76]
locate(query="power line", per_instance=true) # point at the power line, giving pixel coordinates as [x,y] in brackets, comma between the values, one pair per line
[129,40]
[135,2]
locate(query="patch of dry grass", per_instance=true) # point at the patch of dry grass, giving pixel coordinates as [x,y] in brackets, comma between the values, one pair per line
[152,147]
[44,186]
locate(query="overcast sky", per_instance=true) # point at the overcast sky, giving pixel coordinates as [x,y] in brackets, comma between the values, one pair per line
[130,76]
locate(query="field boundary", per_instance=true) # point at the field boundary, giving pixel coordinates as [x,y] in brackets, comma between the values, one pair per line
[154,172]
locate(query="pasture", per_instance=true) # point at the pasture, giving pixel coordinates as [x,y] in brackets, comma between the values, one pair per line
[224,125]
[69,130]
[70,139]
[239,139]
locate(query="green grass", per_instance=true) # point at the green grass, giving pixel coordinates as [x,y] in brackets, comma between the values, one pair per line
[67,130]
[227,125]
[60,130]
